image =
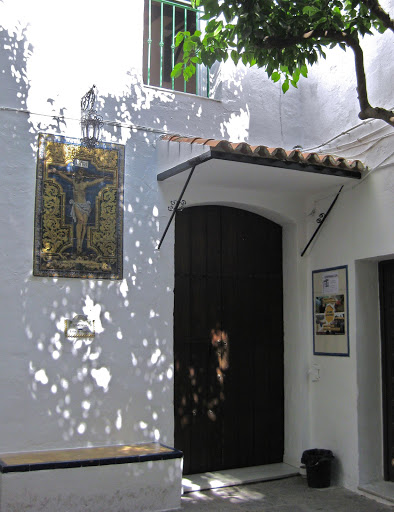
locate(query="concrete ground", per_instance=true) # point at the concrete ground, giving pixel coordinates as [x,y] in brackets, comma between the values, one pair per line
[287,495]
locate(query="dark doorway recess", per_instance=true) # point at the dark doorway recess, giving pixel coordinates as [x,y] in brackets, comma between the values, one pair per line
[228,339]
[386,277]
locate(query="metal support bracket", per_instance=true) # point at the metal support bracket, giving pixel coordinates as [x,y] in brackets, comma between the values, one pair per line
[322,221]
[180,207]
[176,207]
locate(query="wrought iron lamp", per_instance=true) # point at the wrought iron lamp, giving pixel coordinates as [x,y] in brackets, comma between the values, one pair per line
[91,122]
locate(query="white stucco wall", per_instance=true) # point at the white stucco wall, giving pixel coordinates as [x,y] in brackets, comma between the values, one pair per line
[54,396]
[346,403]
[47,66]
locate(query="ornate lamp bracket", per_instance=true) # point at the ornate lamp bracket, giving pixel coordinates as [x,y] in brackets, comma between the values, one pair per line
[91,122]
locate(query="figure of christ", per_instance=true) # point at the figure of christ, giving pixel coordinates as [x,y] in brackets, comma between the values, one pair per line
[81,208]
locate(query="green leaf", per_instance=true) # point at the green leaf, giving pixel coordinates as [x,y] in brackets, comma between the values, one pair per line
[177,71]
[381,28]
[322,53]
[217,29]
[296,74]
[275,77]
[310,10]
[188,45]
[285,85]
[179,38]
[304,71]
[235,57]
[211,26]
[189,71]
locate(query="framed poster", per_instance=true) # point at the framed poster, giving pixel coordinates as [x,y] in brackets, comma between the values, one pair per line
[78,228]
[330,312]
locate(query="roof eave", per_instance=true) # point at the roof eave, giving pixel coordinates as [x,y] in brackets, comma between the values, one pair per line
[257,160]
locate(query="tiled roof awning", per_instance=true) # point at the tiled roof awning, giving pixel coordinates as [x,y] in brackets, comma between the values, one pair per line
[262,156]
[284,177]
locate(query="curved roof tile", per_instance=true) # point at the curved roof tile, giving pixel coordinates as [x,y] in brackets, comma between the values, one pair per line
[279,154]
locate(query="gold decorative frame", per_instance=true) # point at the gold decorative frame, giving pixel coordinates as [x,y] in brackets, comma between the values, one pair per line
[79,209]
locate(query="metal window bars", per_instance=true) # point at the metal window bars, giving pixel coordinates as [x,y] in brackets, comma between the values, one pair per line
[177,9]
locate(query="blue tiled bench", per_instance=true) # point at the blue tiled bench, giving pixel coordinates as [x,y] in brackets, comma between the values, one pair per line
[92,479]
[82,457]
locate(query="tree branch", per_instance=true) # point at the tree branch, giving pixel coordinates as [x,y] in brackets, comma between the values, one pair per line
[360,72]
[375,7]
[367,111]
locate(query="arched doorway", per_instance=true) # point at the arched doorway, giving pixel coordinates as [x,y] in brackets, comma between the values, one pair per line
[228,339]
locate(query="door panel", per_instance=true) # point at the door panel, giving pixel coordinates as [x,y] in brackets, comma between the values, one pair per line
[386,275]
[228,339]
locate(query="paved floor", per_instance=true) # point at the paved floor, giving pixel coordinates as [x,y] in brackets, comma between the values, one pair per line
[288,495]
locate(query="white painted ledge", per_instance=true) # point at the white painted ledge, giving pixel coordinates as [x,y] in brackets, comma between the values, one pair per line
[228,478]
[380,489]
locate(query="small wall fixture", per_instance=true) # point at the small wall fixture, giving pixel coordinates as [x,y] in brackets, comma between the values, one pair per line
[314,372]
[91,122]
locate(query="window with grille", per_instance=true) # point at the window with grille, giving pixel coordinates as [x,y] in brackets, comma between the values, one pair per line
[163,20]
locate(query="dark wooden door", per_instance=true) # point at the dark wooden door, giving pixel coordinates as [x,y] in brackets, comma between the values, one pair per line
[386,274]
[228,339]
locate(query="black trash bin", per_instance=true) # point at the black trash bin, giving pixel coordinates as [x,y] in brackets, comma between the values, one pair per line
[318,467]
